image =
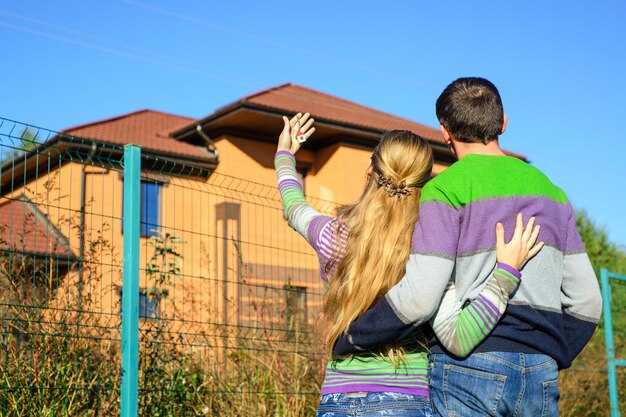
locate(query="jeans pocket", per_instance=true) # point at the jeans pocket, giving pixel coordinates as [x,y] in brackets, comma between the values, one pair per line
[551,397]
[469,392]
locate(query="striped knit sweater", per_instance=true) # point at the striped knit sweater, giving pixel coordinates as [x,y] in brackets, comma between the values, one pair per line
[557,306]
[460,327]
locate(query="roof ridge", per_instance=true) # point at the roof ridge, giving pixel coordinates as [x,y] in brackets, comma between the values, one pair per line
[247,98]
[266,90]
[40,219]
[45,220]
[331,98]
[121,116]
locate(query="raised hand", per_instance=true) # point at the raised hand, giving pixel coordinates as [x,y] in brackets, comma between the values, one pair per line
[522,246]
[295,132]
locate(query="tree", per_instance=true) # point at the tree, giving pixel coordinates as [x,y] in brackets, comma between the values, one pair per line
[26,142]
[602,252]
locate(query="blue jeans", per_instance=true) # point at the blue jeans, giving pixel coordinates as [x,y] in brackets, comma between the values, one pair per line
[374,404]
[494,384]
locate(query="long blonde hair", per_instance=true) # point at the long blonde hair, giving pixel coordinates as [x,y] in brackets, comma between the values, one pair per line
[380,227]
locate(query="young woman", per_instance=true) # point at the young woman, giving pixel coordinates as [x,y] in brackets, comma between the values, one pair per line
[362,254]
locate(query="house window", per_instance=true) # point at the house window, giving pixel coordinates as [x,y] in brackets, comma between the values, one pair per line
[150,208]
[148,305]
[296,308]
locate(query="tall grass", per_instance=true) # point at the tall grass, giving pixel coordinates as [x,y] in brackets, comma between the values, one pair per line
[62,370]
[64,360]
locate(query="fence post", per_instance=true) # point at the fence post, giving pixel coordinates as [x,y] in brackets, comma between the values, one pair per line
[609,342]
[130,287]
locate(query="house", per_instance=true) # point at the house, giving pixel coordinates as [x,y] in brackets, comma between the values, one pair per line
[215,250]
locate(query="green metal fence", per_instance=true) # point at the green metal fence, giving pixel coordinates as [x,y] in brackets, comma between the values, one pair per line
[133,284]
[615,357]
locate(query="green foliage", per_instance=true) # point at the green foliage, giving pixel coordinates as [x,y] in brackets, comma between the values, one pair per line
[51,372]
[602,252]
[584,387]
[70,372]
[27,142]
[165,264]
[65,365]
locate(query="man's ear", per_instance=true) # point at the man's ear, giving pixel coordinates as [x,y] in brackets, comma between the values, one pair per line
[447,137]
[445,133]
[505,120]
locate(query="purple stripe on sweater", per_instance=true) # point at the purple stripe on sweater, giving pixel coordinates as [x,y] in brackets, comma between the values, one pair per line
[487,310]
[419,383]
[289,182]
[380,381]
[287,153]
[378,375]
[435,235]
[478,229]
[509,269]
[574,242]
[482,314]
[420,392]
[437,230]
[328,244]
[494,312]
[316,226]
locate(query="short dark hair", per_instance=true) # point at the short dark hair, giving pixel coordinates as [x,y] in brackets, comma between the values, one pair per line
[471,110]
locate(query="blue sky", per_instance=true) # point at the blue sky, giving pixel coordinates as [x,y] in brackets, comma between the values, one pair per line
[559,66]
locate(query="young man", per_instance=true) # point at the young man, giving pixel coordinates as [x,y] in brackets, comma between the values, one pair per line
[558,304]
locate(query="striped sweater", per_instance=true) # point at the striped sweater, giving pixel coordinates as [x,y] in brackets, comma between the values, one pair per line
[557,306]
[460,327]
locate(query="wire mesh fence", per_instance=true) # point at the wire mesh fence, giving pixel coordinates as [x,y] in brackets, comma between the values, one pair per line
[58,268]
[228,293]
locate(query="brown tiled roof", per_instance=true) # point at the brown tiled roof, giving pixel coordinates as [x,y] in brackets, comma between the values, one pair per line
[292,98]
[147,128]
[25,229]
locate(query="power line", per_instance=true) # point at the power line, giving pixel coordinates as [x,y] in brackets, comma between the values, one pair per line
[74,31]
[281,45]
[121,53]
[154,61]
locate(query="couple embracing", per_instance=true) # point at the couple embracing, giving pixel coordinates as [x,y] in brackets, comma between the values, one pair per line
[427,310]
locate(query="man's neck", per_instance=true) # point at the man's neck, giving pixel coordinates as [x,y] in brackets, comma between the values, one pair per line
[464,149]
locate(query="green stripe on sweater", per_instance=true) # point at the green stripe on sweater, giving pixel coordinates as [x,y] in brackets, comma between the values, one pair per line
[461,190]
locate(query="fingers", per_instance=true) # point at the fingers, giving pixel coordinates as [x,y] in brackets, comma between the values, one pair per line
[296,129]
[286,126]
[295,119]
[533,237]
[306,125]
[301,120]
[535,250]
[304,118]
[309,133]
[295,132]
[301,129]
[499,235]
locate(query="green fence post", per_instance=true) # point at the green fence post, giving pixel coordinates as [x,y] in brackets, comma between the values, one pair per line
[130,287]
[609,342]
